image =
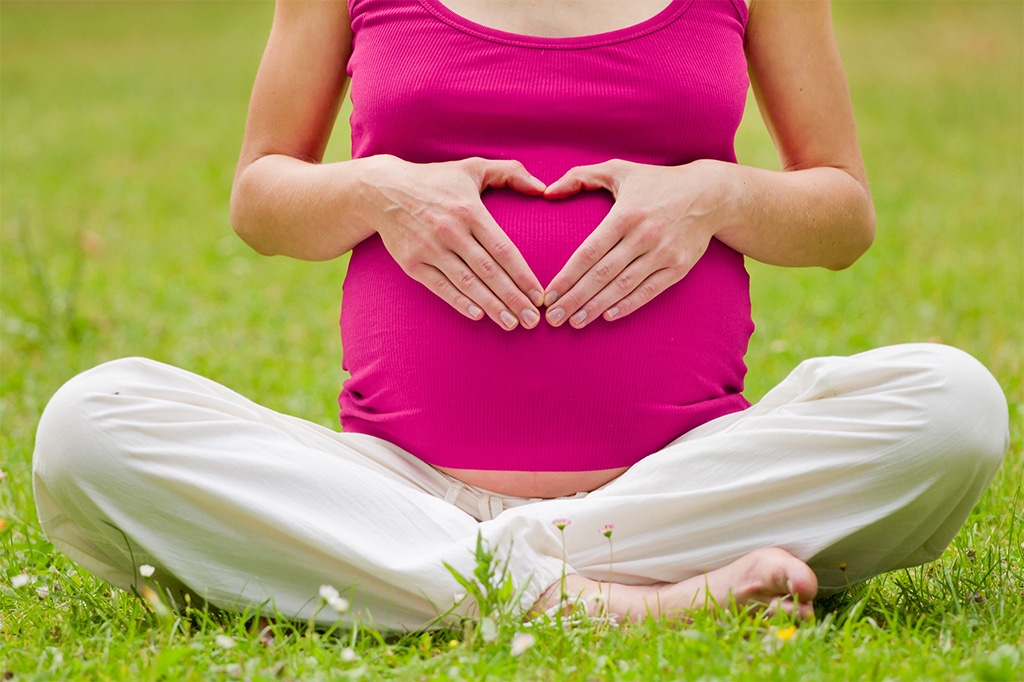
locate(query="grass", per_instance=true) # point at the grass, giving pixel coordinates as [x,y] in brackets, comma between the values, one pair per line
[120,125]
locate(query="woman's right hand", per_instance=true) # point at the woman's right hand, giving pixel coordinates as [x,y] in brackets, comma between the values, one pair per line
[434,224]
[286,201]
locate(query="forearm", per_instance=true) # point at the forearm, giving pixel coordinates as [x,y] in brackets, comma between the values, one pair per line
[285,206]
[819,216]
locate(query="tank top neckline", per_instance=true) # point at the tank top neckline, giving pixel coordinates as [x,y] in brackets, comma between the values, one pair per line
[664,17]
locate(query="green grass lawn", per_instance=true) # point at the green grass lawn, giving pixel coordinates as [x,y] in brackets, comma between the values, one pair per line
[121,123]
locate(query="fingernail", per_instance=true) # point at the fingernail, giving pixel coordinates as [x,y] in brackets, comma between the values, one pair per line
[556,315]
[578,318]
[551,297]
[475,312]
[529,318]
[536,297]
[611,312]
[508,319]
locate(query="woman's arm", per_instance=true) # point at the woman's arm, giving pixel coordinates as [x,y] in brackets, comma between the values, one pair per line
[283,201]
[816,211]
[430,216]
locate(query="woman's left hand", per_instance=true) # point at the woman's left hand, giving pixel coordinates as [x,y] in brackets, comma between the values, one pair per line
[659,226]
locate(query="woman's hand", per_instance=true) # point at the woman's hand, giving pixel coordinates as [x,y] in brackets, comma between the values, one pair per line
[434,224]
[658,228]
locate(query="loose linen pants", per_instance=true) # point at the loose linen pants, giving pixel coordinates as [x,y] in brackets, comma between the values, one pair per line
[856,465]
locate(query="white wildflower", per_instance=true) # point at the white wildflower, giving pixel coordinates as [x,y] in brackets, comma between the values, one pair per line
[348,655]
[224,641]
[43,592]
[146,570]
[339,604]
[20,580]
[327,593]
[521,642]
[459,596]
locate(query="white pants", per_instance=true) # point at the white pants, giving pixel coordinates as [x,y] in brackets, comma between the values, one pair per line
[868,463]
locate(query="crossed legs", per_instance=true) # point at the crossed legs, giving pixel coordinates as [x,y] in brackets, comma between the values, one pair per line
[850,467]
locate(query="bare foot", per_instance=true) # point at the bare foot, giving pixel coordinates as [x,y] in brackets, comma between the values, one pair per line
[771,577]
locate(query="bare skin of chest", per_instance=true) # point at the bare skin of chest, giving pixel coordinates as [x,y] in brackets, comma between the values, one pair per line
[556,18]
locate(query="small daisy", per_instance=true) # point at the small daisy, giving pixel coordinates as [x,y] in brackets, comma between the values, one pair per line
[146,570]
[327,593]
[521,642]
[339,604]
[560,524]
[348,655]
[20,580]
[607,529]
[224,642]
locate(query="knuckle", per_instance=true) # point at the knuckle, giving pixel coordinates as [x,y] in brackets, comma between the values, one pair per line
[634,215]
[647,291]
[465,279]
[570,301]
[488,267]
[445,230]
[590,253]
[501,249]
[676,272]
[457,300]
[462,213]
[419,272]
[439,284]
[615,166]
[649,235]
[625,283]
[604,271]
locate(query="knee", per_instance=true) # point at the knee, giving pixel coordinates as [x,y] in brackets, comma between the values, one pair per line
[76,419]
[964,406]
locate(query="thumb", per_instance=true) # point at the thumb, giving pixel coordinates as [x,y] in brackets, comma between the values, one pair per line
[510,174]
[597,176]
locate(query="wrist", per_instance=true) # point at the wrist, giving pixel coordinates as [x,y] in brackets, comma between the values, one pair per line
[723,195]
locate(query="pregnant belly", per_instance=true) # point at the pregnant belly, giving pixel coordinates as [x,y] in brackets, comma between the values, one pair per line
[466,395]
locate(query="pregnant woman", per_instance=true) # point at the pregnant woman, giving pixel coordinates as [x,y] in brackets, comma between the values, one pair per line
[545,317]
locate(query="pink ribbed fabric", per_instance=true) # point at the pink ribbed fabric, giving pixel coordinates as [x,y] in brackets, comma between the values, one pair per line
[429,85]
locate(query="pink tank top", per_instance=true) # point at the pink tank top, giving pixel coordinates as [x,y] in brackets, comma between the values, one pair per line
[429,85]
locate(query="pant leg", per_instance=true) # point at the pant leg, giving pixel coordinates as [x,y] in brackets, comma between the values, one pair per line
[872,461]
[137,462]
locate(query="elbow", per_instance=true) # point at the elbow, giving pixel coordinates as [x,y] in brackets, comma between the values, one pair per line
[859,236]
[857,247]
[244,221]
